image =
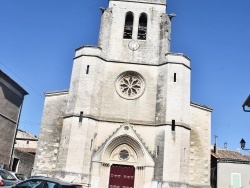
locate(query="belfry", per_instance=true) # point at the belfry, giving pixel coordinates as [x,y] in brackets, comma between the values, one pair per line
[127,120]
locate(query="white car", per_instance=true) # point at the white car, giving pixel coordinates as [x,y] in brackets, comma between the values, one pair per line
[6,178]
[44,182]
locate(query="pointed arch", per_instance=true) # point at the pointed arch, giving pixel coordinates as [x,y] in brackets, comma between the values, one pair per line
[128,27]
[142,28]
[124,148]
[125,140]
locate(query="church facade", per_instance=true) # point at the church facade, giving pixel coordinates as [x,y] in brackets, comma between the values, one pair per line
[127,120]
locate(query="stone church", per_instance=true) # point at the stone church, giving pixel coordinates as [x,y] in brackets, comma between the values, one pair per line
[127,120]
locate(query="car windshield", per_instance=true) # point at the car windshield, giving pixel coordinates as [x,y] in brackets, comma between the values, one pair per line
[6,175]
[30,184]
[21,176]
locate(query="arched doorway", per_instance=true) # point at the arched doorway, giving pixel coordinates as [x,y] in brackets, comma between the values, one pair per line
[121,176]
[123,149]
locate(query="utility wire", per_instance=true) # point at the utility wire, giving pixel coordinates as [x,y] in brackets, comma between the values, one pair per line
[30,122]
[24,123]
[22,80]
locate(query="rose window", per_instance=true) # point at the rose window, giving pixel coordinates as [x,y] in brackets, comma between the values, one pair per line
[130,85]
[123,154]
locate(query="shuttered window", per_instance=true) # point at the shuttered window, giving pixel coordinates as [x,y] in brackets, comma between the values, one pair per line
[236,180]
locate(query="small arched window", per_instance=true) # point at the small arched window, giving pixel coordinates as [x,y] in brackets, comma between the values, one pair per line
[142,29]
[128,28]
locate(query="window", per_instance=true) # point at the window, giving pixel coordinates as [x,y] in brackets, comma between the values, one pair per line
[31,184]
[20,176]
[81,116]
[157,151]
[87,70]
[128,28]
[235,180]
[142,29]
[6,175]
[173,125]
[51,185]
[124,154]
[130,85]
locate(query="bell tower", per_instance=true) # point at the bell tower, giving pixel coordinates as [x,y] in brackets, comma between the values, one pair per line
[135,31]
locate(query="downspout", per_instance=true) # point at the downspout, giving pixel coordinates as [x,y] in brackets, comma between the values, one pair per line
[14,139]
[215,145]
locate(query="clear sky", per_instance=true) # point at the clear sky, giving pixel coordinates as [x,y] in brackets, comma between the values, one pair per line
[38,40]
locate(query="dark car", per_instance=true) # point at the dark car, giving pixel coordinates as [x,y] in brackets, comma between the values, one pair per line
[44,182]
[6,178]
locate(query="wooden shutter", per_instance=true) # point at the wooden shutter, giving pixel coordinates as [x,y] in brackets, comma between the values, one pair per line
[236,180]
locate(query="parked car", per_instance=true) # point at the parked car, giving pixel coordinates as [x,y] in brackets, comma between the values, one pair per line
[19,176]
[44,182]
[6,178]
[1,182]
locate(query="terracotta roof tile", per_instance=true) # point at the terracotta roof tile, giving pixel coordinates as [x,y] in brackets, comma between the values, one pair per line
[23,135]
[27,150]
[230,155]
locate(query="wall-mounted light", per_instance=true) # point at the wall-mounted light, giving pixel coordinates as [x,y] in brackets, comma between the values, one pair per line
[246,104]
[243,144]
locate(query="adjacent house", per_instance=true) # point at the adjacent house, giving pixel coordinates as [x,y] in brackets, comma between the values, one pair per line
[24,152]
[229,169]
[11,97]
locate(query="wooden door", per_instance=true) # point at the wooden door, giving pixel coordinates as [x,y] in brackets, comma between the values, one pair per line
[121,176]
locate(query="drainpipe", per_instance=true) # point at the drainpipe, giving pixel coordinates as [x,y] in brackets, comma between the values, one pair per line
[215,149]
[215,144]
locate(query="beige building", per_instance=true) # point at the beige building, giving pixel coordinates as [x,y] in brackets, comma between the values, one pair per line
[229,169]
[127,120]
[24,152]
[25,140]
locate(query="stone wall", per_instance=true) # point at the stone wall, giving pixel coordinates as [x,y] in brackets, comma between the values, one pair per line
[50,133]
[200,146]
[26,162]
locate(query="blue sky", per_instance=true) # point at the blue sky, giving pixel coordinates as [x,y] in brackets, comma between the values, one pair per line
[38,40]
